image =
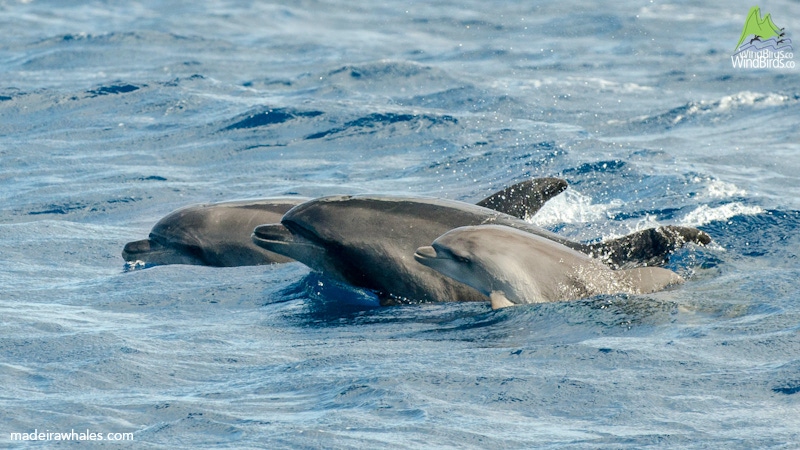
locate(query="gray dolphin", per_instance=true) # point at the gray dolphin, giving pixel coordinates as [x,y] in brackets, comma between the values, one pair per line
[513,267]
[218,234]
[369,242]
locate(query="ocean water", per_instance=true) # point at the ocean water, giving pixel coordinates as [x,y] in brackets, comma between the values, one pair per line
[113,114]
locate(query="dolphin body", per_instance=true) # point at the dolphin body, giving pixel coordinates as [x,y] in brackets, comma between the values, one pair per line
[218,234]
[513,267]
[370,241]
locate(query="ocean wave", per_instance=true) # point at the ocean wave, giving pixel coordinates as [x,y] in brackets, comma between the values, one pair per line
[466,98]
[705,214]
[595,84]
[372,123]
[264,117]
[382,79]
[745,100]
[388,71]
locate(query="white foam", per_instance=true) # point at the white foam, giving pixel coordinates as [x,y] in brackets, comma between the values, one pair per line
[610,86]
[724,105]
[573,207]
[704,214]
[721,189]
[594,83]
[718,189]
[729,102]
[739,99]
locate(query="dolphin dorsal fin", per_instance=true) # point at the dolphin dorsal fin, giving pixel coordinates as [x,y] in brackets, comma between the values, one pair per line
[524,199]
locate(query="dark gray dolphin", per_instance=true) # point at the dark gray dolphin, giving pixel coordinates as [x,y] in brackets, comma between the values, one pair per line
[513,267]
[369,241]
[218,234]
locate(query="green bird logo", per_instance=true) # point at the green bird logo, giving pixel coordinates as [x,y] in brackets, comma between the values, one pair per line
[758,29]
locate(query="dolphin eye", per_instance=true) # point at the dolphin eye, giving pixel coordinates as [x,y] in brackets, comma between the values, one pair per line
[462,260]
[457,258]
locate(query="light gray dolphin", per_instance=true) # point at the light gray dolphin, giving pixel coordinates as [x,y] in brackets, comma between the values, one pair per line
[369,242]
[513,267]
[218,234]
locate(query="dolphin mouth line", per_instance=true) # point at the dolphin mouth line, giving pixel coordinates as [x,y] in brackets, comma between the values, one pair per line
[279,238]
[269,241]
[133,249]
[426,253]
[274,234]
[271,246]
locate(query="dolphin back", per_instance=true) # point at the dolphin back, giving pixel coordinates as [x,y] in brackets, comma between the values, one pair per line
[645,280]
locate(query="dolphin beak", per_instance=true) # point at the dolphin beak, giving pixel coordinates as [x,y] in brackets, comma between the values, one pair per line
[277,238]
[152,252]
[271,235]
[424,254]
[134,249]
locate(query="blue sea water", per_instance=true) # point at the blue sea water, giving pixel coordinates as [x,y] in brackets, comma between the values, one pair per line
[113,114]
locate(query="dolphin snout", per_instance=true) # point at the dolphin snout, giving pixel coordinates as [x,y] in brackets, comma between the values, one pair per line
[425,253]
[272,233]
[137,247]
[276,238]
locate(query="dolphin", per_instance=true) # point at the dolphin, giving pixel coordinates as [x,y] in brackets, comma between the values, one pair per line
[218,234]
[369,242]
[513,267]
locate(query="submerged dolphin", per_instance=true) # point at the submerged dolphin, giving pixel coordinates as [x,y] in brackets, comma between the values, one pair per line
[369,242]
[513,267]
[218,234]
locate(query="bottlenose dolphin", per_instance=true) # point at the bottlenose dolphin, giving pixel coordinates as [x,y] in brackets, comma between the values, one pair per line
[218,234]
[513,267]
[369,242]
